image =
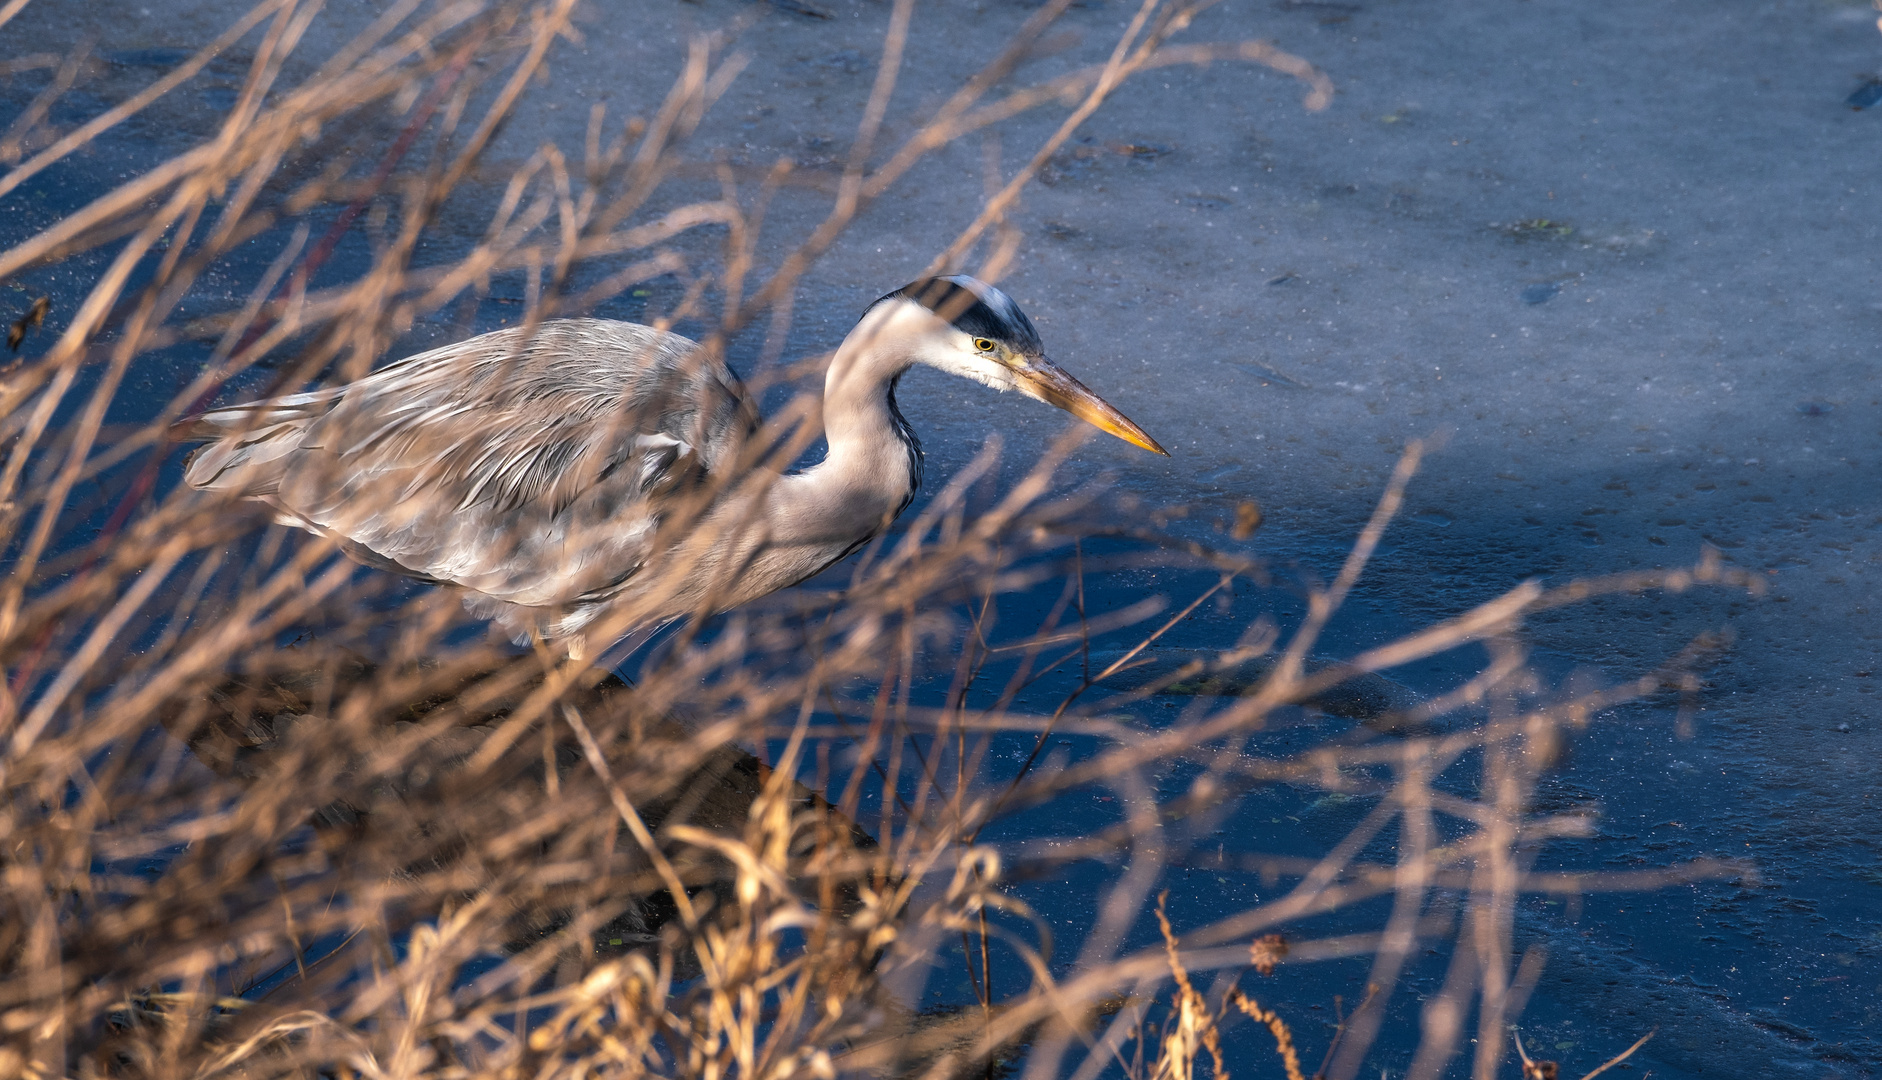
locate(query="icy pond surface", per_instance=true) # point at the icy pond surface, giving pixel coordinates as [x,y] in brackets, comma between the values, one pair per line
[1621,258]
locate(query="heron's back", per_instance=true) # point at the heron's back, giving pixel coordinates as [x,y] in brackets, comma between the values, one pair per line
[530,467]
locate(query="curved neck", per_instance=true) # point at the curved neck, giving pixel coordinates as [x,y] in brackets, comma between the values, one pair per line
[874,463]
[859,388]
[872,448]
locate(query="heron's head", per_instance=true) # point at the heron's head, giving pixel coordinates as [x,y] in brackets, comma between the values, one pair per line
[969,328]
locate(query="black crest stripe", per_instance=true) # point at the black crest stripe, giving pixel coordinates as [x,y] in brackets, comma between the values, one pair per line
[979,310]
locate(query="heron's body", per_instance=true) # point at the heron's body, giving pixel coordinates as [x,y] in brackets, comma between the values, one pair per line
[537,470]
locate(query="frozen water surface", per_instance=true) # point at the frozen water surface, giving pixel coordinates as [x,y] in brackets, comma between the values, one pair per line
[1621,257]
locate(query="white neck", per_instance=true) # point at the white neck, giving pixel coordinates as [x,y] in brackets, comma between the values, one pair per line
[870,473]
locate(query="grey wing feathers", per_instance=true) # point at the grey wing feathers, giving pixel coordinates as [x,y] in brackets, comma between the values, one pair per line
[250,438]
[530,469]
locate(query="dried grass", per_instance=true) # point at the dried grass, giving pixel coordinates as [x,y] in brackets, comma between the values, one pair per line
[391,848]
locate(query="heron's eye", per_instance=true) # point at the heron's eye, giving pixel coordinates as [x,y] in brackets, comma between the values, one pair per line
[983,344]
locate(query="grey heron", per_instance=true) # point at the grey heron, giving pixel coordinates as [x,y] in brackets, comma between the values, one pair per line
[535,469]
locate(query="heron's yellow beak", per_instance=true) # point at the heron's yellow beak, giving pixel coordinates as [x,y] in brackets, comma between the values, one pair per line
[1040,378]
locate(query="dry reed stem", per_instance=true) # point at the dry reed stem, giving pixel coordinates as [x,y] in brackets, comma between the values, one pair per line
[1549,1070]
[1283,1038]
